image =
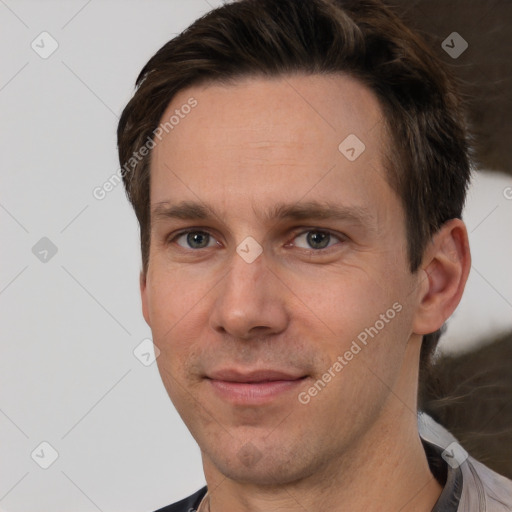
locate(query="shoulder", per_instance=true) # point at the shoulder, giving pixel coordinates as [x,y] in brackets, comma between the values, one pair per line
[188,504]
[483,490]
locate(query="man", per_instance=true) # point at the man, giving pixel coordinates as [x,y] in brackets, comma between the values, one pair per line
[298,170]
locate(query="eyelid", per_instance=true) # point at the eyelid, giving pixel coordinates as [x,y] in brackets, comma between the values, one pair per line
[175,235]
[301,231]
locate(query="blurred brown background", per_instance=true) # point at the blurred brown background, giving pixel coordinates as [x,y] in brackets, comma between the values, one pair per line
[485,67]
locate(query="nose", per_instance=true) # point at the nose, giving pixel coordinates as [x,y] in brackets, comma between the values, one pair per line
[250,301]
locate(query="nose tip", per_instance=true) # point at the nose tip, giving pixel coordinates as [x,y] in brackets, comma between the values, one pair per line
[249,302]
[238,329]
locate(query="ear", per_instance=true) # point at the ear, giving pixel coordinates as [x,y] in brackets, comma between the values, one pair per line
[445,269]
[144,296]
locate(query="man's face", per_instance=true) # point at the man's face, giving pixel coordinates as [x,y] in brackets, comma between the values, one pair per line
[243,336]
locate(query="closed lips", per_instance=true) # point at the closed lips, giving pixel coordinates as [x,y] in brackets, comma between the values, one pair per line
[256,376]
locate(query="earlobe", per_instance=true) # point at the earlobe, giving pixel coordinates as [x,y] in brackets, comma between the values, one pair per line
[143,295]
[446,266]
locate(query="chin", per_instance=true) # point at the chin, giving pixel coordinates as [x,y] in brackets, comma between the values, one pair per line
[265,466]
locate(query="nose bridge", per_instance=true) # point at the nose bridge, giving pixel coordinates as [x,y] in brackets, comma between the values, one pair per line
[244,286]
[248,300]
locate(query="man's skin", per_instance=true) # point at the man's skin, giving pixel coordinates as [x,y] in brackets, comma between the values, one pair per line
[246,148]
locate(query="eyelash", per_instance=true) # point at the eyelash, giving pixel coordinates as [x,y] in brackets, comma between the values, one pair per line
[340,237]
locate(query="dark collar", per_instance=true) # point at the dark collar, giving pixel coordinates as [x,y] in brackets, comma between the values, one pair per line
[450,478]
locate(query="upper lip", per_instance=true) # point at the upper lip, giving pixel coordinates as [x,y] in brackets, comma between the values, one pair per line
[231,375]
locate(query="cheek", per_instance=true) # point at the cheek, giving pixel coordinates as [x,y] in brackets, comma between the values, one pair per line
[173,294]
[343,302]
[178,310]
[363,321]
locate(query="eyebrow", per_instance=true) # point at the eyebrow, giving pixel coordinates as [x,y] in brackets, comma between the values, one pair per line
[309,210]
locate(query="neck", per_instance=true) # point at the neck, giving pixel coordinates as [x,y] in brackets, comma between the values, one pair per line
[385,470]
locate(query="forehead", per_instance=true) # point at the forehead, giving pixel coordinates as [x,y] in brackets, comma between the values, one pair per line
[260,140]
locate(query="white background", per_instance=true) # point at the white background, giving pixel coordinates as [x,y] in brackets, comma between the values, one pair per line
[68,375]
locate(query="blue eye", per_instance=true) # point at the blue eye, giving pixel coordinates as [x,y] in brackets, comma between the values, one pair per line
[195,240]
[316,239]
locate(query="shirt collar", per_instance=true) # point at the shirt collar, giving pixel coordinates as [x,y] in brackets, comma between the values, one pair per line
[450,478]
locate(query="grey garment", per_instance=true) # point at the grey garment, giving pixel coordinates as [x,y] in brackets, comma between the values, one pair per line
[483,490]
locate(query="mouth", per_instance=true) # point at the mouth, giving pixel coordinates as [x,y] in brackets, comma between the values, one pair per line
[253,388]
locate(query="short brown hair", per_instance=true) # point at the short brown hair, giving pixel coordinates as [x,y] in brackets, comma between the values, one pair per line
[428,165]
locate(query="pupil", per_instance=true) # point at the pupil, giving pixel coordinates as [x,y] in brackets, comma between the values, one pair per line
[197,239]
[318,239]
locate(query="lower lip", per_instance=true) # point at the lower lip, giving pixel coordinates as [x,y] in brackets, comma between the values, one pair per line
[253,392]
